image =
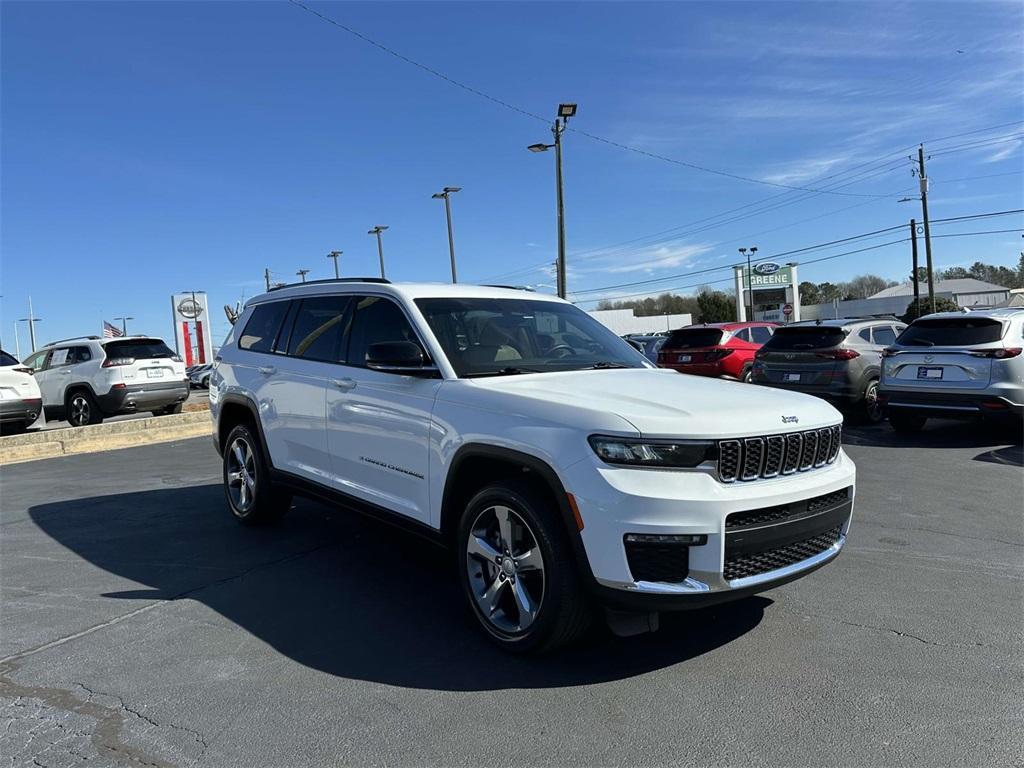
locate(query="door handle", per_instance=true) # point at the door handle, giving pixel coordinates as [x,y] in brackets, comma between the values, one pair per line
[267,370]
[344,384]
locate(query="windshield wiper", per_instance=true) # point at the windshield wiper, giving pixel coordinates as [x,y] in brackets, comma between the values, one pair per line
[608,364]
[509,371]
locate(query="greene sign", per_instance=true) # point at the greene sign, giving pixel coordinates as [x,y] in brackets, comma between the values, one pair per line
[768,275]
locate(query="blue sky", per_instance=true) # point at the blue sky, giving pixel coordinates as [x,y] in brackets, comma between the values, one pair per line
[150,148]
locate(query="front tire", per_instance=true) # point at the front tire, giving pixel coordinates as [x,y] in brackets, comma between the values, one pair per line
[747,377]
[517,570]
[82,409]
[907,423]
[251,497]
[873,412]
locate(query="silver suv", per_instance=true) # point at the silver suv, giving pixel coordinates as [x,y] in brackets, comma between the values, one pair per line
[955,364]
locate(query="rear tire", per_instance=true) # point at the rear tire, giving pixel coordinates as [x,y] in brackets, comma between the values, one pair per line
[82,410]
[252,497]
[747,377]
[872,410]
[907,422]
[516,567]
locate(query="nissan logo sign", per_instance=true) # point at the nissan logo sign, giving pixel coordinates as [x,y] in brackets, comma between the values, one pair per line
[190,308]
[766,268]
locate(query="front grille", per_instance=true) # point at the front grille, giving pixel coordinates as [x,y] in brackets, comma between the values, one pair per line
[658,562]
[828,500]
[741,566]
[754,458]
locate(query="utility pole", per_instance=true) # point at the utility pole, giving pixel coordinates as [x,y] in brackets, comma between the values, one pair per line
[446,194]
[380,246]
[334,255]
[922,178]
[302,274]
[913,246]
[266,276]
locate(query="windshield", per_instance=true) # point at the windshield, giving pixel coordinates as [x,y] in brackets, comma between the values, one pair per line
[691,338]
[140,349]
[952,332]
[805,337]
[495,337]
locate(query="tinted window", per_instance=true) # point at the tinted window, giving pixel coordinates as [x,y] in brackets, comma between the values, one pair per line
[376,319]
[487,337]
[885,335]
[952,332]
[865,333]
[318,331]
[6,359]
[760,334]
[79,355]
[743,334]
[139,349]
[805,337]
[36,360]
[687,338]
[261,330]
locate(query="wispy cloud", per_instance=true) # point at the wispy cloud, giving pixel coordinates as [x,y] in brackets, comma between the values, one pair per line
[1008,150]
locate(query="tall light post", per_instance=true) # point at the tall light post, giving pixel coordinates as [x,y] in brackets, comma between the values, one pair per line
[302,274]
[380,246]
[565,111]
[446,194]
[31,320]
[335,255]
[749,253]
[17,341]
[124,324]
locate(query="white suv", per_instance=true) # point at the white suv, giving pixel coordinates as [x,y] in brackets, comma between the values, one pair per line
[86,378]
[563,469]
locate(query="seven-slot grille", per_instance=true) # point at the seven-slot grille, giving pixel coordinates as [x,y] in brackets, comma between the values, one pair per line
[753,458]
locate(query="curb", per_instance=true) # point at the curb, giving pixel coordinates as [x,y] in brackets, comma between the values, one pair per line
[48,444]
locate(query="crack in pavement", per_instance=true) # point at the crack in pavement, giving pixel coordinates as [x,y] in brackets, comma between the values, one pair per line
[892,631]
[199,738]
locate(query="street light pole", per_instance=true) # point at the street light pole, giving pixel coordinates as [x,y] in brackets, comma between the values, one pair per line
[565,111]
[124,324]
[380,246]
[446,194]
[31,320]
[334,255]
[302,274]
[750,292]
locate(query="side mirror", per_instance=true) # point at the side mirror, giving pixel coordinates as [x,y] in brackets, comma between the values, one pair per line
[398,357]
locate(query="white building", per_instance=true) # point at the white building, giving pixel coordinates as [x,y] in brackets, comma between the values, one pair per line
[966,292]
[623,321]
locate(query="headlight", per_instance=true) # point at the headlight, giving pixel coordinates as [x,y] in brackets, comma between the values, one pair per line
[653,453]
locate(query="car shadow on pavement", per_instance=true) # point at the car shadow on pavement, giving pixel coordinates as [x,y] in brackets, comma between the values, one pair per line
[938,433]
[347,595]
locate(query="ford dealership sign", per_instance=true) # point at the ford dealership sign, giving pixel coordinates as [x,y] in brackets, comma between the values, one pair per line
[766,268]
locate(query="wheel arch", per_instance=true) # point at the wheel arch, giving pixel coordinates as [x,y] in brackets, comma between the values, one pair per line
[235,410]
[476,465]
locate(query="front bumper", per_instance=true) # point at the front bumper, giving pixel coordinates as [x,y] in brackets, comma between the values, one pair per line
[615,501]
[23,411]
[143,397]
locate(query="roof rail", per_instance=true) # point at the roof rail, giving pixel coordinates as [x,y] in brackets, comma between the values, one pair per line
[334,280]
[72,338]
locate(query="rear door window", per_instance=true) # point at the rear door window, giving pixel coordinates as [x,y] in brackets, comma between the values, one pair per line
[760,334]
[263,326]
[743,334]
[319,330]
[952,332]
[692,338]
[805,337]
[376,319]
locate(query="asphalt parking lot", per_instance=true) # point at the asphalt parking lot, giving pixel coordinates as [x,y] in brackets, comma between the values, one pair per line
[142,626]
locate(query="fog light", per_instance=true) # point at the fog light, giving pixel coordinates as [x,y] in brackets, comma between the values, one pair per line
[663,538]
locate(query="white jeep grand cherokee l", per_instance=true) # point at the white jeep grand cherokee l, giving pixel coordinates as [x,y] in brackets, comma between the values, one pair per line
[563,469]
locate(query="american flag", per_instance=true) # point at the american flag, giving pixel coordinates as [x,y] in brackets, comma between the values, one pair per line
[111,331]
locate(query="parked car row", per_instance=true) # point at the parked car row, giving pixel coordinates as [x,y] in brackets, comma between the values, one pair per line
[199,375]
[951,364]
[86,379]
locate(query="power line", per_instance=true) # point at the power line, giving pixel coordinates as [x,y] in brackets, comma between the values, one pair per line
[526,113]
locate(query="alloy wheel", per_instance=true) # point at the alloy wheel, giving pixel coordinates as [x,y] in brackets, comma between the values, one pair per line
[872,405]
[241,475]
[506,569]
[81,411]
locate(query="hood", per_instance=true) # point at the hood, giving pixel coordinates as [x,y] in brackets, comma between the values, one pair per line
[663,403]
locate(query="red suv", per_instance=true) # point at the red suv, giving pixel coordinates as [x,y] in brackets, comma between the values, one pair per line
[725,350]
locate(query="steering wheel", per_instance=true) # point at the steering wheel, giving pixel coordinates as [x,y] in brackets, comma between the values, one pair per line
[569,351]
